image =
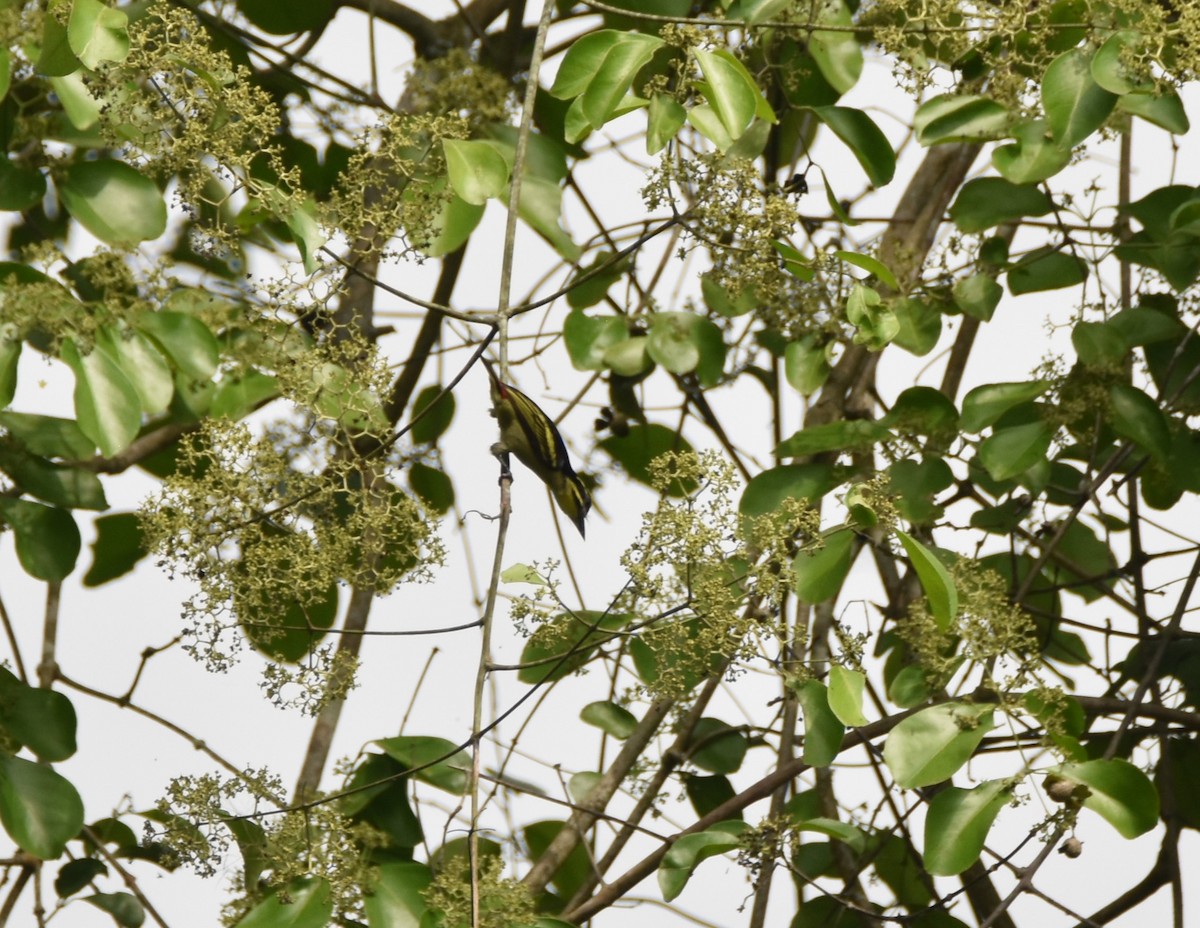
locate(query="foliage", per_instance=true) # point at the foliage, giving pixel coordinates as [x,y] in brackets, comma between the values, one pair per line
[811,551]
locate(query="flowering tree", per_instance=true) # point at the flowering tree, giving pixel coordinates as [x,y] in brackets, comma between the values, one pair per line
[893,631]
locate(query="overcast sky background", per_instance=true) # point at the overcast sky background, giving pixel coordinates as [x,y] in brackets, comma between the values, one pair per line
[103,631]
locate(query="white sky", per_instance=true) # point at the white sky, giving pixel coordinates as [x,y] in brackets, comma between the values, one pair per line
[124,761]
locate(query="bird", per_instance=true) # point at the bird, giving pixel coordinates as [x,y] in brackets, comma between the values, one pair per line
[530,434]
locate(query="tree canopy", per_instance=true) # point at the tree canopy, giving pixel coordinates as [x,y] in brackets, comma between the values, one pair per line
[870,328]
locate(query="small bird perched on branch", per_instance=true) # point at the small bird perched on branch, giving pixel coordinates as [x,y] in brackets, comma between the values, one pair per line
[530,434]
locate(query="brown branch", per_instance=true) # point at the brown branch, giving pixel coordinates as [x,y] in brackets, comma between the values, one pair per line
[597,798]
[321,740]
[671,759]
[618,888]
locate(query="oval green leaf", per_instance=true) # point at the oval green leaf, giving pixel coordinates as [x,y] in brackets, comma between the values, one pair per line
[957,825]
[930,746]
[40,809]
[114,202]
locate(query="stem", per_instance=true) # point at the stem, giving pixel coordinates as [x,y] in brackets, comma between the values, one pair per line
[47,670]
[321,740]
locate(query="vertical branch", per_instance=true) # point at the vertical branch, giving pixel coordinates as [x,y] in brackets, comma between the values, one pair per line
[502,316]
[321,740]
[47,670]
[11,635]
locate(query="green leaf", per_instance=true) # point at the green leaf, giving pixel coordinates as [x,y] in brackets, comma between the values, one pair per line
[839,831]
[76,874]
[628,357]
[107,406]
[1165,111]
[454,225]
[1010,452]
[142,364]
[581,784]
[959,118]
[823,730]
[1075,105]
[522,573]
[1099,344]
[1033,155]
[588,338]
[289,631]
[689,851]
[397,896]
[114,201]
[477,171]
[683,342]
[1110,68]
[664,118]
[844,435]
[643,443]
[716,747]
[915,484]
[707,793]
[21,185]
[572,872]
[920,325]
[43,720]
[123,907]
[432,485]
[97,33]
[610,718]
[240,393]
[10,356]
[767,490]
[600,67]
[846,694]
[876,324]
[67,487]
[819,574]
[988,201]
[301,222]
[835,205]
[872,266]
[541,209]
[935,580]
[377,794]
[433,422]
[303,903]
[795,263]
[1119,792]
[1046,269]
[561,646]
[47,539]
[923,410]
[838,55]
[958,823]
[82,109]
[865,139]
[928,747]
[806,365]
[909,687]
[56,58]
[978,296]
[1138,418]
[984,405]
[40,809]
[591,282]
[48,436]
[435,761]
[187,341]
[731,90]
[287,19]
